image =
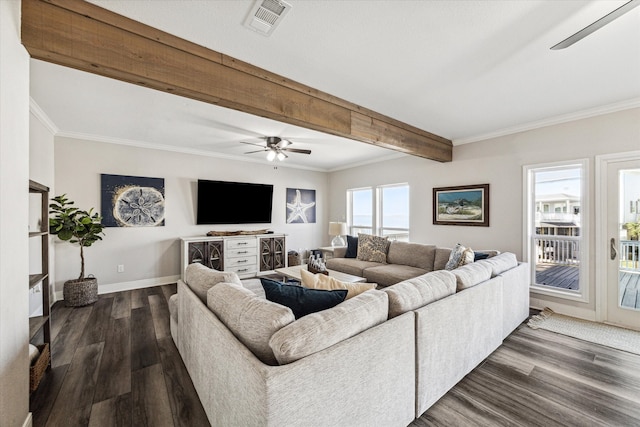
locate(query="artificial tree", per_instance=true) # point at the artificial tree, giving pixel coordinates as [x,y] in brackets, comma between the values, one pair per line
[74,225]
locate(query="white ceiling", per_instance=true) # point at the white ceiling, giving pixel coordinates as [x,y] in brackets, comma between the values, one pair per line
[464,70]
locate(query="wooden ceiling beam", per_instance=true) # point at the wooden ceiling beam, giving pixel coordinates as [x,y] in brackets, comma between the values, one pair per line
[81,35]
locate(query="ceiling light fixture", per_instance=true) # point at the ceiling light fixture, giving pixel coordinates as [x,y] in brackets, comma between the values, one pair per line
[281,156]
[271,155]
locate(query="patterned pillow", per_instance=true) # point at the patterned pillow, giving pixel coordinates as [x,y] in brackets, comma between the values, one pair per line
[372,248]
[460,256]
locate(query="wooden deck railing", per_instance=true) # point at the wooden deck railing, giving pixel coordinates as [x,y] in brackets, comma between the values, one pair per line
[566,250]
[629,255]
[557,249]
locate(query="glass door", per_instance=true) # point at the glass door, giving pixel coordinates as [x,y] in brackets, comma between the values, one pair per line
[623,244]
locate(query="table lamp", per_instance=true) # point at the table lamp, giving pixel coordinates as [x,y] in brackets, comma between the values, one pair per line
[337,229]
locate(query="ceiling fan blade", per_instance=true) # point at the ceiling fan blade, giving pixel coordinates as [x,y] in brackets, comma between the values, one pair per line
[596,25]
[297,150]
[253,143]
[257,151]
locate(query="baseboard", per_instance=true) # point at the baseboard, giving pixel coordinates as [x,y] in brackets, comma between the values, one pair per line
[127,286]
[567,310]
[29,421]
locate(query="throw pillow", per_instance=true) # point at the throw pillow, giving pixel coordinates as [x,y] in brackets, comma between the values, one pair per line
[480,255]
[322,281]
[201,278]
[300,300]
[372,248]
[352,247]
[460,256]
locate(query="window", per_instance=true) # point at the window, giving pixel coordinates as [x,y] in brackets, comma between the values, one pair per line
[555,240]
[383,210]
[360,210]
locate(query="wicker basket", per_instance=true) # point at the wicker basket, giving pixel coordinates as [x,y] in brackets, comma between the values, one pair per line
[37,370]
[80,292]
[294,259]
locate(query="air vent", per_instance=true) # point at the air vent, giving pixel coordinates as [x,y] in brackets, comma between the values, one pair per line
[266,15]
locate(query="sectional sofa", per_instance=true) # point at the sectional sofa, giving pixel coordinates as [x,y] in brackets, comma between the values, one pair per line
[380,358]
[403,260]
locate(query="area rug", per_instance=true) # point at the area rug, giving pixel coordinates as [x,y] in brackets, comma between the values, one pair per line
[599,333]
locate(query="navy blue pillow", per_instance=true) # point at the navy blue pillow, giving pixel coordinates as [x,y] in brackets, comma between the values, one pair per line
[302,301]
[352,247]
[480,255]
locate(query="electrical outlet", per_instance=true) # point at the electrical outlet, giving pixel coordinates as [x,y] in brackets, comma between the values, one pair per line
[120,268]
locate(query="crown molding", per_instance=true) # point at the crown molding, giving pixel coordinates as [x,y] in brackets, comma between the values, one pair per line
[39,114]
[556,120]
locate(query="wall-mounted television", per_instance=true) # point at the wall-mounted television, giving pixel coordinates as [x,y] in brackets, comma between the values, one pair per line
[225,202]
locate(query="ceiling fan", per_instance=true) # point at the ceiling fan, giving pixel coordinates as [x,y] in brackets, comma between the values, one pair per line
[276,148]
[596,25]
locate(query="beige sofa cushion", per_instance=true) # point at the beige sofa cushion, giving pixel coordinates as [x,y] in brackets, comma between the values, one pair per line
[412,254]
[441,258]
[471,274]
[253,320]
[390,274]
[201,278]
[501,263]
[322,281]
[352,266]
[420,291]
[173,306]
[317,331]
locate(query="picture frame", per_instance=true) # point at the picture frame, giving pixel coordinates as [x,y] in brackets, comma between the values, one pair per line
[461,205]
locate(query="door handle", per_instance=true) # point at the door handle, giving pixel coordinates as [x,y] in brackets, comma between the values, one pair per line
[614,251]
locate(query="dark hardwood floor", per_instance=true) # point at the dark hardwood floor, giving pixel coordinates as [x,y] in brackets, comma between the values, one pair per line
[115,364]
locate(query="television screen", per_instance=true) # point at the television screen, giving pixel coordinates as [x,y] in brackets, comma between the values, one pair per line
[224,202]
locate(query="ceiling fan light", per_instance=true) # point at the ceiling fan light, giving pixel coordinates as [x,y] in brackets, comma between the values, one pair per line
[281,156]
[283,143]
[271,155]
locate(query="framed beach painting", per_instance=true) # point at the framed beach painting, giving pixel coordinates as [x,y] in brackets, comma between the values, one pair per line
[462,205]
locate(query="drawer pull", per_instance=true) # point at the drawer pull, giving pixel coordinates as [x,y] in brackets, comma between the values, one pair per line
[243,243]
[243,252]
[242,270]
[242,260]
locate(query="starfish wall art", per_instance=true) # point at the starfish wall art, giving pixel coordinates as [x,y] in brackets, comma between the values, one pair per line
[301,206]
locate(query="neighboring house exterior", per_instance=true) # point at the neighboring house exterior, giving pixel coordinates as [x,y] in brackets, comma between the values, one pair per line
[558,215]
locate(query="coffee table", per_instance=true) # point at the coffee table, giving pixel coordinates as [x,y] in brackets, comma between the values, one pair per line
[294,273]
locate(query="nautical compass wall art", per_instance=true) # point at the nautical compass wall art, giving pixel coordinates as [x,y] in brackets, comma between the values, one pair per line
[132,201]
[301,206]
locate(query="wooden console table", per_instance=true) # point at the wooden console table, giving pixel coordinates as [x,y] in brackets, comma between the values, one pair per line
[247,255]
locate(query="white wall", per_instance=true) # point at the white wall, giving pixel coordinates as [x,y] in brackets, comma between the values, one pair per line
[14,211]
[152,254]
[498,162]
[40,170]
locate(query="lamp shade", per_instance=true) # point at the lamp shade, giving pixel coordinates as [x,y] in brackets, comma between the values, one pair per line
[337,228]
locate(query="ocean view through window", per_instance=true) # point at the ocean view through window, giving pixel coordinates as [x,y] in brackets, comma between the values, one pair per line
[383,210]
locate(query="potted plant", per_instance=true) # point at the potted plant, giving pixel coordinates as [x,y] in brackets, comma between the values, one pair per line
[84,228]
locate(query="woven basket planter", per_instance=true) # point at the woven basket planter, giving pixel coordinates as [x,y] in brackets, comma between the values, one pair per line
[37,370]
[80,292]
